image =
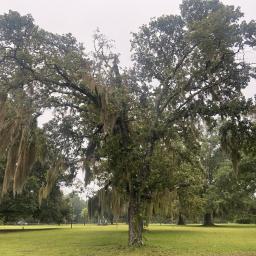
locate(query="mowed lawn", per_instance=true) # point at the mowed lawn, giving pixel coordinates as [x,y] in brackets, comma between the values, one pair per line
[92,240]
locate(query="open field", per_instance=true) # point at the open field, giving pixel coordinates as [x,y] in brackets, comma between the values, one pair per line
[92,240]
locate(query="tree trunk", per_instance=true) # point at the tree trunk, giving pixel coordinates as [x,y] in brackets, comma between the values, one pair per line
[135,223]
[111,219]
[181,220]
[208,219]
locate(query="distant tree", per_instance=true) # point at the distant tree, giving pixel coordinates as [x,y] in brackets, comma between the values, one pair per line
[190,203]
[78,205]
[212,158]
[85,215]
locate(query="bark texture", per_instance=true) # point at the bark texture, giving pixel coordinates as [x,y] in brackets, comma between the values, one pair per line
[135,224]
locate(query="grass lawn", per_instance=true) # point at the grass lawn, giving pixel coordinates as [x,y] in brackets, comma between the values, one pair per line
[92,240]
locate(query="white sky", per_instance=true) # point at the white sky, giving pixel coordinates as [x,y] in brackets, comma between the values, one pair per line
[115,18]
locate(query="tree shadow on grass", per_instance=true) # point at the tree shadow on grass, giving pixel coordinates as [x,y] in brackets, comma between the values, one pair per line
[236,225]
[25,230]
[220,226]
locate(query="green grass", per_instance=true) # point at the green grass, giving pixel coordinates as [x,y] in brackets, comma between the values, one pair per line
[92,240]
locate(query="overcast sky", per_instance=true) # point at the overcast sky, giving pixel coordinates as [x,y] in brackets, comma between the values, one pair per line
[115,18]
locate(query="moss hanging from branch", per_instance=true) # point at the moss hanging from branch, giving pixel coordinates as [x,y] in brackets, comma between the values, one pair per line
[232,142]
[10,165]
[18,144]
[51,178]
[105,106]
[107,201]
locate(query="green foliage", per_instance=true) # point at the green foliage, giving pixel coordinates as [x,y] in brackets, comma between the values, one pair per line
[78,205]
[84,214]
[26,205]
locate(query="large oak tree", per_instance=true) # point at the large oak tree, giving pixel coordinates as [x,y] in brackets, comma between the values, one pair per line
[132,130]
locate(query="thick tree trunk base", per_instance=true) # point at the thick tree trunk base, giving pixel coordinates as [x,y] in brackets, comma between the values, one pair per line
[135,243]
[209,225]
[208,220]
[181,220]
